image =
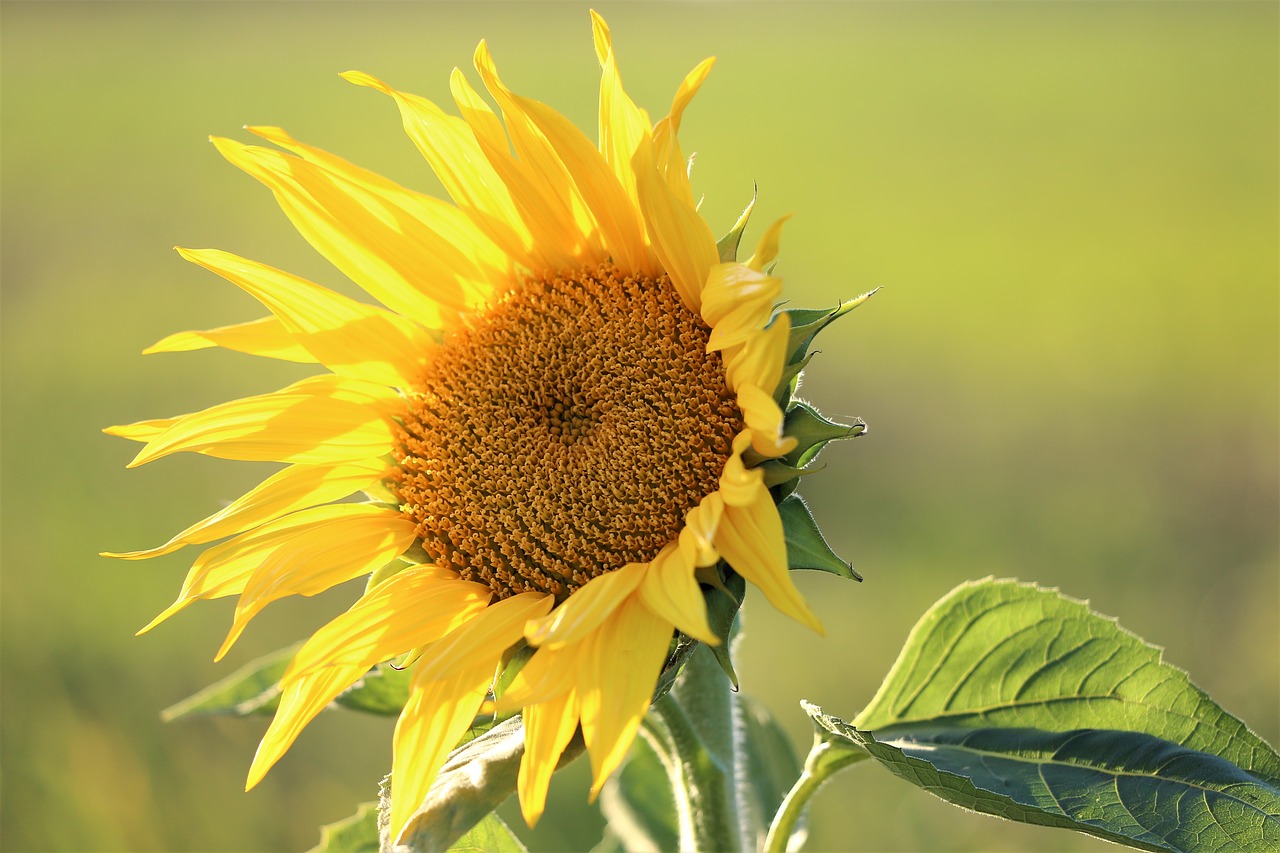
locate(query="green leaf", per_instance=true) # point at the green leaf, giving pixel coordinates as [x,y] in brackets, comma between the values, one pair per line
[806,323]
[771,768]
[490,835]
[252,689]
[382,690]
[806,546]
[1011,655]
[638,803]
[356,834]
[727,246]
[813,432]
[722,610]
[1126,787]
[476,778]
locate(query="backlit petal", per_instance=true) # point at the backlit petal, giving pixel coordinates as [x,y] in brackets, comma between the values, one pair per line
[671,592]
[759,361]
[585,609]
[682,240]
[486,637]
[548,728]
[355,340]
[265,337]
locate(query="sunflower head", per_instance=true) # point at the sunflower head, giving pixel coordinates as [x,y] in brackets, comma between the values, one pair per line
[571,413]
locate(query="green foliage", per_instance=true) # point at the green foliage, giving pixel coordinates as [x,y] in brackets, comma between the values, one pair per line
[252,689]
[382,690]
[356,834]
[490,835]
[639,802]
[813,432]
[1019,702]
[806,546]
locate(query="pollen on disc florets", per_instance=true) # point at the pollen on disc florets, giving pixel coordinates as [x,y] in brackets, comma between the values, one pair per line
[564,432]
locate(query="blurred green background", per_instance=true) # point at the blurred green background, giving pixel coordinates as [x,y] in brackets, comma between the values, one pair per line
[1070,376]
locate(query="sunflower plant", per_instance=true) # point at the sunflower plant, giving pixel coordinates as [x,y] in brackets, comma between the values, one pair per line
[572,433]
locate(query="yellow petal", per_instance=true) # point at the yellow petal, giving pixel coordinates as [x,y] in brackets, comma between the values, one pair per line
[595,184]
[300,701]
[313,550]
[548,674]
[622,123]
[737,304]
[683,242]
[767,249]
[437,714]
[355,340]
[740,485]
[548,728]
[394,256]
[410,609]
[671,592]
[536,176]
[486,637]
[585,609]
[760,361]
[765,420]
[142,430]
[303,425]
[697,537]
[293,488]
[751,539]
[667,155]
[451,150]
[265,337]
[615,683]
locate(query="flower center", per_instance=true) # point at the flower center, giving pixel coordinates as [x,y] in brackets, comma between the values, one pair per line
[564,433]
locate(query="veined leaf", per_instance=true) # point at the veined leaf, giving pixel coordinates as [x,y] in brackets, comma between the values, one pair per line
[490,835]
[1126,787]
[252,689]
[1002,654]
[356,834]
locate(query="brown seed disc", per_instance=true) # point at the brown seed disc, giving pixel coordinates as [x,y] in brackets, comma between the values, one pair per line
[564,433]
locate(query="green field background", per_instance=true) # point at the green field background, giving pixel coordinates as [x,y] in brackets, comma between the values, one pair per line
[1070,375]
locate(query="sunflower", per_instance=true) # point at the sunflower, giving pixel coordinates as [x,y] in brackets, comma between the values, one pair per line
[561,419]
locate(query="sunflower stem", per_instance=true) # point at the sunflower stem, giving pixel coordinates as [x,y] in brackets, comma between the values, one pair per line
[823,761]
[696,724]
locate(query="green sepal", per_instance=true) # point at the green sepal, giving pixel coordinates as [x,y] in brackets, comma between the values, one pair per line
[807,548]
[777,472]
[812,432]
[722,610]
[252,689]
[727,245]
[806,323]
[355,834]
[789,383]
[490,835]
[383,690]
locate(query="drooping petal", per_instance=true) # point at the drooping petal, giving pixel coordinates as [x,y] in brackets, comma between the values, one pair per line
[410,609]
[300,701]
[737,303]
[765,420]
[394,256]
[296,424]
[293,488]
[670,590]
[548,674]
[759,361]
[358,341]
[312,550]
[437,714]
[750,537]
[697,537]
[615,683]
[548,728]
[585,609]
[681,238]
[265,337]
[486,637]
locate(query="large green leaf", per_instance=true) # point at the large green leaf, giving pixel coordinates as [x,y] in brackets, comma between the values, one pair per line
[356,834]
[252,689]
[490,835]
[1126,787]
[1001,654]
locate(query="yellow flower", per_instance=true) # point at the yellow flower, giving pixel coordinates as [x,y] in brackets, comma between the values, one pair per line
[558,417]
